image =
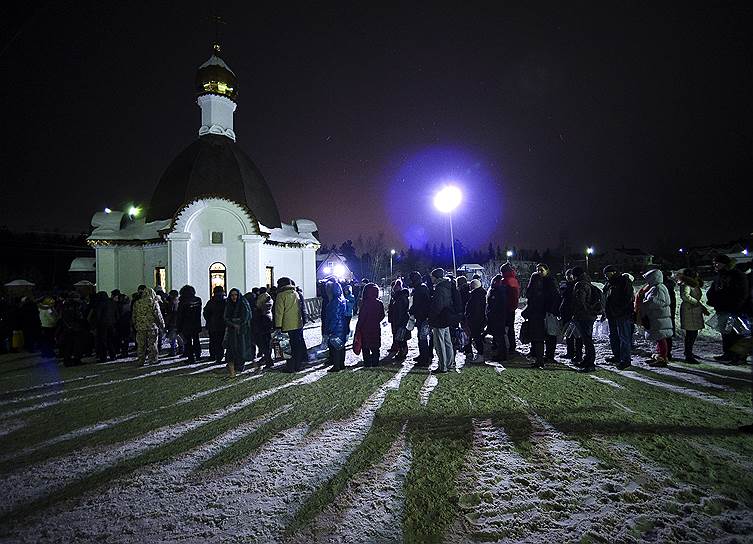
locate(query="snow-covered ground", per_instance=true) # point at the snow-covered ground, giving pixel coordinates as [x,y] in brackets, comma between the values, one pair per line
[559,494]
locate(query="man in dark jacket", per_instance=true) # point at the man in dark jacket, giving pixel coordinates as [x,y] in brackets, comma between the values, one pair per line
[585,311]
[420,310]
[728,295]
[105,316]
[671,286]
[214,315]
[475,318]
[552,298]
[619,311]
[189,322]
[440,311]
[566,313]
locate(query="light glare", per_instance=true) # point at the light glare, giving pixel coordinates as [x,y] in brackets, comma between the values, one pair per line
[448,199]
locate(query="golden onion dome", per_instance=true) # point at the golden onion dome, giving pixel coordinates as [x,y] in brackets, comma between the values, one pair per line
[216,77]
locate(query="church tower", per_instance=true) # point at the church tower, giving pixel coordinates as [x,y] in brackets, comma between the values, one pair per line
[217,95]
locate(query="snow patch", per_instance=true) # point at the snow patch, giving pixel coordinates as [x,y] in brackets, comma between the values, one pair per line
[426,389]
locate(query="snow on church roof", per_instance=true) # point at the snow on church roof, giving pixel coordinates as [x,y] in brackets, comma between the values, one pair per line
[288,235]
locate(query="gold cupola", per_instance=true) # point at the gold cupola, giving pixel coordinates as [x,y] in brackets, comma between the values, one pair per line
[215,77]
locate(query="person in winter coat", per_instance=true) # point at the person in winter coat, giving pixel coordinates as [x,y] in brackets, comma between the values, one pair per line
[420,311]
[439,319]
[288,318]
[397,315]
[728,295]
[586,308]
[655,314]
[692,310]
[337,334]
[48,318]
[30,323]
[497,312]
[104,314]
[262,325]
[214,315]
[619,311]
[368,326]
[464,290]
[671,286]
[240,344]
[350,301]
[511,283]
[189,322]
[475,318]
[566,314]
[147,321]
[539,303]
[171,323]
[552,298]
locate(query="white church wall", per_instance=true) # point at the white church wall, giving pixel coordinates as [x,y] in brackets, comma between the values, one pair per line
[107,268]
[155,255]
[202,253]
[130,268]
[298,264]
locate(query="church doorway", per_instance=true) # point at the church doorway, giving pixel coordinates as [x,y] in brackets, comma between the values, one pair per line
[217,277]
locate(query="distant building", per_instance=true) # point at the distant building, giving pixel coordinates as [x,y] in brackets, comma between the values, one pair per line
[471,268]
[333,264]
[212,220]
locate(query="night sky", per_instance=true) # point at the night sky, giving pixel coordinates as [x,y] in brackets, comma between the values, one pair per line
[603,123]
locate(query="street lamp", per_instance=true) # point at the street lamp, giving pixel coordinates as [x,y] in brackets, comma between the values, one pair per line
[509,253]
[392,254]
[589,251]
[446,201]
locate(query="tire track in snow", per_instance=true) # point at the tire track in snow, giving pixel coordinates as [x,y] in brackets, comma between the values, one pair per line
[561,494]
[11,426]
[426,389]
[255,501]
[605,381]
[39,480]
[371,506]
[49,384]
[683,390]
[101,426]
[102,384]
[691,378]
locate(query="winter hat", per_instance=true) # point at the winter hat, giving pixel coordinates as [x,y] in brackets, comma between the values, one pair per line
[578,271]
[438,273]
[609,268]
[505,267]
[115,293]
[282,282]
[398,285]
[722,259]
[475,284]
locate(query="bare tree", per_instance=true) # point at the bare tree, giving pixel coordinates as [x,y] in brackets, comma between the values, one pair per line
[373,253]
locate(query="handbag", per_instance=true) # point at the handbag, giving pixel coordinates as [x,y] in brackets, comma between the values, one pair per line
[411,323]
[552,324]
[525,332]
[281,345]
[357,341]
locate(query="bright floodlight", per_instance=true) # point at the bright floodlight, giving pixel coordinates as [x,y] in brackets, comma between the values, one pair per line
[590,250]
[339,270]
[133,211]
[327,269]
[509,252]
[448,199]
[108,210]
[392,251]
[745,251]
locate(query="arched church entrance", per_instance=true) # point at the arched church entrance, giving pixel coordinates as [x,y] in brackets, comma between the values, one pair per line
[217,277]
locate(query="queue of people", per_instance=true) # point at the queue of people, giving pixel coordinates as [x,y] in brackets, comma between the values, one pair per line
[449,315]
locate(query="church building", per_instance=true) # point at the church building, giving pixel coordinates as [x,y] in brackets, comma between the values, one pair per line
[212,219]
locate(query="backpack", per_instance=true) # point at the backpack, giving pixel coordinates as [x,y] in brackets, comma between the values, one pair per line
[595,304]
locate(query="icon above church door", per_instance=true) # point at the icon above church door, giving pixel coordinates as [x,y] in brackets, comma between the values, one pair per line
[217,277]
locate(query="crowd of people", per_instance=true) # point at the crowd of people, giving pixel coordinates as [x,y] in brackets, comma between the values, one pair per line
[449,316]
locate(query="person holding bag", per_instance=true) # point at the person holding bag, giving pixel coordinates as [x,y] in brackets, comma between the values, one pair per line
[238,342]
[335,328]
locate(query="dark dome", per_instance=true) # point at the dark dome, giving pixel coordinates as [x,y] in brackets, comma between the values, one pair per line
[213,166]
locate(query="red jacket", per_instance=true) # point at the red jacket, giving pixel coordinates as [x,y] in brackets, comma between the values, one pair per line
[510,280]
